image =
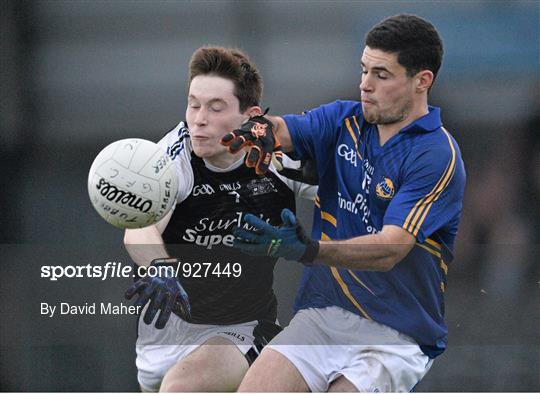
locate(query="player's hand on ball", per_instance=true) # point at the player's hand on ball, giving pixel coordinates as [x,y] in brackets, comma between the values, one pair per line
[164,292]
[289,240]
[258,135]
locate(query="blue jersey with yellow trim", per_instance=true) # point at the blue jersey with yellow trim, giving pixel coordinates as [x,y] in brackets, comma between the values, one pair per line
[416,181]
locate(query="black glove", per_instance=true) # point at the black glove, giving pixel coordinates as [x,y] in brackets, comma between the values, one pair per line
[258,134]
[164,292]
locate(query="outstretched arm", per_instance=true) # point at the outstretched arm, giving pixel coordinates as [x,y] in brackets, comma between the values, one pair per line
[375,252]
[146,244]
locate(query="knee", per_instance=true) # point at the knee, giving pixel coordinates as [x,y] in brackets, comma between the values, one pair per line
[181,379]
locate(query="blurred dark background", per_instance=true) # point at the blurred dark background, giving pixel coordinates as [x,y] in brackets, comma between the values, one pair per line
[77,75]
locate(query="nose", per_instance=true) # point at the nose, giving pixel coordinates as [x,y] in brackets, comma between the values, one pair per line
[201,117]
[365,83]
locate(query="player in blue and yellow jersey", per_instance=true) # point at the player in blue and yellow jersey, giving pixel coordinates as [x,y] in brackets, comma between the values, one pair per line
[389,200]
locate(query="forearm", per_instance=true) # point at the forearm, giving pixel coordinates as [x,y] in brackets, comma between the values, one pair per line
[282,133]
[145,245]
[375,252]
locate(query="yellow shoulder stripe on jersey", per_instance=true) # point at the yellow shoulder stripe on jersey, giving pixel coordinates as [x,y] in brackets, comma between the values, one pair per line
[329,218]
[416,227]
[347,293]
[317,203]
[325,237]
[422,200]
[424,205]
[353,136]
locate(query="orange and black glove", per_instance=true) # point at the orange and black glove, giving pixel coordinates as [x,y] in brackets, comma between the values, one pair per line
[257,133]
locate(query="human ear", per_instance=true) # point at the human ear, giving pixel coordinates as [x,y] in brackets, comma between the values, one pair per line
[253,111]
[423,81]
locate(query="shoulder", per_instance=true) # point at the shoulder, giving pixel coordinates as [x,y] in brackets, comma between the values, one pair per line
[176,140]
[439,140]
[437,150]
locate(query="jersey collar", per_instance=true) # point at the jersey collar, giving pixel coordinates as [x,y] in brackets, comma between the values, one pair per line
[427,123]
[233,166]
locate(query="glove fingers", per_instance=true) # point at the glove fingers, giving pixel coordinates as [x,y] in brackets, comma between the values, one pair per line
[136,287]
[247,236]
[238,144]
[260,224]
[229,138]
[263,163]
[267,146]
[144,296]
[165,313]
[288,218]
[253,156]
[153,308]
[182,309]
[182,306]
[277,159]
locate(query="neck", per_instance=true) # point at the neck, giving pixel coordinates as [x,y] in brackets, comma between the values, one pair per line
[387,131]
[224,160]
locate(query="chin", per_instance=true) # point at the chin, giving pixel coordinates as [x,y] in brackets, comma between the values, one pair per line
[370,118]
[203,152]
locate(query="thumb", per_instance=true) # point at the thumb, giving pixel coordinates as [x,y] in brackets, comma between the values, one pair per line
[277,159]
[288,218]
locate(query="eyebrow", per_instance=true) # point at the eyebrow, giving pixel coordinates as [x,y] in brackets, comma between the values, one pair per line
[211,101]
[378,68]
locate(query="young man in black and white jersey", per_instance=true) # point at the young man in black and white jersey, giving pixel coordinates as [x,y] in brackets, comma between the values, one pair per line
[233,306]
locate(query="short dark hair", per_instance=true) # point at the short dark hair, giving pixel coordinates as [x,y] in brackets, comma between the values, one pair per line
[415,41]
[231,64]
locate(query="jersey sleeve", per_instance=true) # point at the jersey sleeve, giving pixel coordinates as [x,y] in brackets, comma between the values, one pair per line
[301,190]
[315,130]
[177,145]
[431,193]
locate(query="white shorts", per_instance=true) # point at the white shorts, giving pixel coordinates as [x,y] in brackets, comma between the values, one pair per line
[159,350]
[326,343]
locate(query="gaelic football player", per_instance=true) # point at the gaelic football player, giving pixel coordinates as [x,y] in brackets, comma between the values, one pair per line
[226,307]
[370,307]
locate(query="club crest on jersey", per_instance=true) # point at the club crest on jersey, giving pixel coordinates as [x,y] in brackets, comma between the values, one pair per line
[261,186]
[385,189]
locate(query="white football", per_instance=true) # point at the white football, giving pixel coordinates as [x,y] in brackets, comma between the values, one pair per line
[132,183]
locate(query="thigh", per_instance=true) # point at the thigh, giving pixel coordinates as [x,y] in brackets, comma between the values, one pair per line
[216,365]
[297,359]
[158,350]
[273,372]
[387,368]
